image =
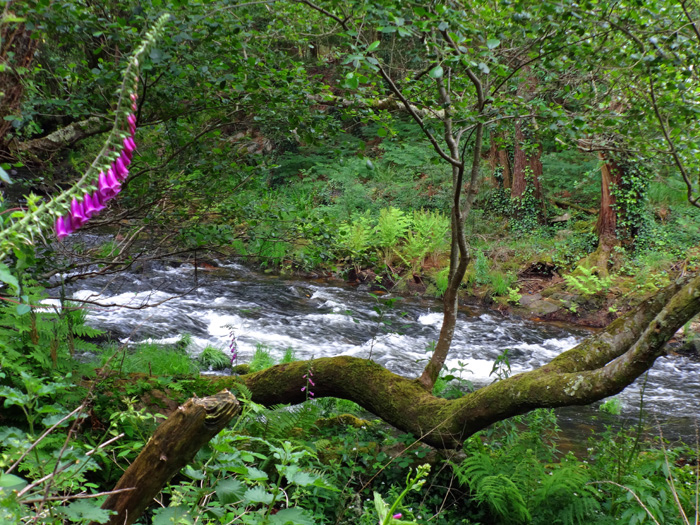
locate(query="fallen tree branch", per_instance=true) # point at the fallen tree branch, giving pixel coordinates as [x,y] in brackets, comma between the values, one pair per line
[62,138]
[173,445]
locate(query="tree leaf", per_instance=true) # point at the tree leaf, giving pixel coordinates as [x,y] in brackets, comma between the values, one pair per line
[23,309]
[374,45]
[484,68]
[4,176]
[258,495]
[294,516]
[436,72]
[7,277]
[230,491]
[86,511]
[11,482]
[493,43]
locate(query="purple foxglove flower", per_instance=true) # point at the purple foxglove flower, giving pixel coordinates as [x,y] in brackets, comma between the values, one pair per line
[108,186]
[132,130]
[98,200]
[126,158]
[397,516]
[120,170]
[134,106]
[77,213]
[129,144]
[131,119]
[89,206]
[61,229]
[133,97]
[303,388]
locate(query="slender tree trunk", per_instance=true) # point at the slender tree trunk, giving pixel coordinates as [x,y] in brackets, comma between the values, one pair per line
[606,227]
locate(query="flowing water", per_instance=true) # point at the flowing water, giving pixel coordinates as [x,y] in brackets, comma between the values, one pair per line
[319,319]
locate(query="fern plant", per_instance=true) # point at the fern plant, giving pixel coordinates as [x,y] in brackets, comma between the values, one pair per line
[428,237]
[355,238]
[586,282]
[518,481]
[392,226]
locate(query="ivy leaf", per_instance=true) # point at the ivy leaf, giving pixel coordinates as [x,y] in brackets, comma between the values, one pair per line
[436,72]
[493,43]
[86,511]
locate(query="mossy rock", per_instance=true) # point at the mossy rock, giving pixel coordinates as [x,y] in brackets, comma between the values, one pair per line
[240,370]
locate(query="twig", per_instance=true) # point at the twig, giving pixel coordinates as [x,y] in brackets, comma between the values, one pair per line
[14,465]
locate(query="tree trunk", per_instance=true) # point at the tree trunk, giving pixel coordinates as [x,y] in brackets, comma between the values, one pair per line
[599,367]
[173,445]
[498,159]
[44,147]
[606,226]
[524,164]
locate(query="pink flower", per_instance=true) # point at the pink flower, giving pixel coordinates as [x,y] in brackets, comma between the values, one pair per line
[120,170]
[77,213]
[108,185]
[397,516]
[64,227]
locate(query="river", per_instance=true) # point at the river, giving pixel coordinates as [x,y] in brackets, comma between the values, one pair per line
[319,319]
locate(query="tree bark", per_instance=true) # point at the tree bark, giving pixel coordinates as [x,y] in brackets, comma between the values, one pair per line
[599,367]
[44,147]
[498,158]
[173,445]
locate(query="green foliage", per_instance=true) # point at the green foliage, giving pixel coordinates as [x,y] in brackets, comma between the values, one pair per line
[214,358]
[156,359]
[442,281]
[587,282]
[514,295]
[356,238]
[392,226]
[518,483]
[262,358]
[481,268]
[500,283]
[612,405]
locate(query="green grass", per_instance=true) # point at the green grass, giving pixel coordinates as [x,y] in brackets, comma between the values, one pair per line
[153,359]
[214,358]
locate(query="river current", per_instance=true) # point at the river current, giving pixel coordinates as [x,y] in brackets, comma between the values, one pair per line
[320,319]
